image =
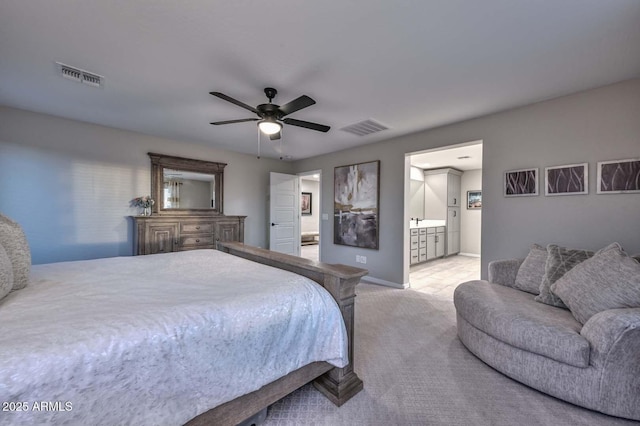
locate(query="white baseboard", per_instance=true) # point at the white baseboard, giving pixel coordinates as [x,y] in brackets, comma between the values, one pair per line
[385,283]
[469,254]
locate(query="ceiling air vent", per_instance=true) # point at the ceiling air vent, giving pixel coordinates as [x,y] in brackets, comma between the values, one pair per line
[81,76]
[365,127]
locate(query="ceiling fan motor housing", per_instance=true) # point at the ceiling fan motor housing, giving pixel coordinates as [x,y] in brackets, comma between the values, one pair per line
[269,110]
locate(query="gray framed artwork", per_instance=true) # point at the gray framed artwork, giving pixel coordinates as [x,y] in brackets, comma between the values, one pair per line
[570,179]
[474,200]
[619,176]
[521,183]
[356,205]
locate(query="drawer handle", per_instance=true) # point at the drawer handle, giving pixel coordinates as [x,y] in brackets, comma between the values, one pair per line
[197,240]
[197,227]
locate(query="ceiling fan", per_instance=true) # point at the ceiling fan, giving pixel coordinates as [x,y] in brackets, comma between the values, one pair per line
[271,116]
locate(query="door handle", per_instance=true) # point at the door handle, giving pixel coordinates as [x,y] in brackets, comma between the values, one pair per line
[273,224]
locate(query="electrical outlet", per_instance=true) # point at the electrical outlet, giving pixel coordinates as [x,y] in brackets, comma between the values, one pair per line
[361,259]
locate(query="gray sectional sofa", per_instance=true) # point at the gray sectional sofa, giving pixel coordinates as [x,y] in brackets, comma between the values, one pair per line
[595,365]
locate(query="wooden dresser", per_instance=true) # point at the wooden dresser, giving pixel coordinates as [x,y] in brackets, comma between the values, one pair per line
[166,233]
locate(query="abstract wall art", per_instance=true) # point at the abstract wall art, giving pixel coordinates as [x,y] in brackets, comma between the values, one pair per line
[356,205]
[570,179]
[474,200]
[521,183]
[619,176]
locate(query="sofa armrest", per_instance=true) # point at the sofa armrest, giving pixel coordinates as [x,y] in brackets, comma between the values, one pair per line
[504,271]
[614,337]
[611,330]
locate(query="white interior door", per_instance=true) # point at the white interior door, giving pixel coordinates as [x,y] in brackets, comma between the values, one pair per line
[284,213]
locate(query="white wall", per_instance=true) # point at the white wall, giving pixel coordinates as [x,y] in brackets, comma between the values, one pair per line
[311,223]
[595,125]
[416,193]
[470,220]
[69,183]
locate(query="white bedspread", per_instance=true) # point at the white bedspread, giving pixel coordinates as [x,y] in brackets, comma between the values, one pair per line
[156,340]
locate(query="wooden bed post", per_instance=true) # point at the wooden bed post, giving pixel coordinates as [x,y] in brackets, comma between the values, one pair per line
[338,384]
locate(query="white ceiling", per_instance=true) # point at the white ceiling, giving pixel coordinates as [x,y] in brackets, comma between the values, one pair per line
[411,65]
[461,157]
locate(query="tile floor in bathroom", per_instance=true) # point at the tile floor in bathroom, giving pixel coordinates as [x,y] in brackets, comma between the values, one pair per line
[439,277]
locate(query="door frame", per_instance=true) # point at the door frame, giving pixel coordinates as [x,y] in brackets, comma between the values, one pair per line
[316,204]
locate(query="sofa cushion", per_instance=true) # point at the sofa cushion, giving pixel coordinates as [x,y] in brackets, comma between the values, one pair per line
[512,316]
[608,280]
[531,272]
[15,244]
[6,273]
[559,261]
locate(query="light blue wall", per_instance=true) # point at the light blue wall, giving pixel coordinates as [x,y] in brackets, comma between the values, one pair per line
[69,184]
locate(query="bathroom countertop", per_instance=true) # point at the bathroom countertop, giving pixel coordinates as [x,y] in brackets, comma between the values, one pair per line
[427,223]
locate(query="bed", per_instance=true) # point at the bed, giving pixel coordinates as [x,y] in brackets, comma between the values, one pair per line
[196,337]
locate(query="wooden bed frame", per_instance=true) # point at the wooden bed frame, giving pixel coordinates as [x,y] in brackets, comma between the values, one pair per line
[337,384]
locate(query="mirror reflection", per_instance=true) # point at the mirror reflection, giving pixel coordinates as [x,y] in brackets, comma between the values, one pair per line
[188,190]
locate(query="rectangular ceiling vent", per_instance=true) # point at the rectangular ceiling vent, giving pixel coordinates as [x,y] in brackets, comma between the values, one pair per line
[81,76]
[365,127]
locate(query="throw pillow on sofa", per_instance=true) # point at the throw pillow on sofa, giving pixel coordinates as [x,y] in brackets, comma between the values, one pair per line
[560,260]
[608,280]
[15,244]
[531,271]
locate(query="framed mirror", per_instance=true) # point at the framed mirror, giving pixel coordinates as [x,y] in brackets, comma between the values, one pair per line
[185,185]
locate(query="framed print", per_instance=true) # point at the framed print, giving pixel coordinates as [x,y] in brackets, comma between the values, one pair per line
[619,176]
[571,179]
[474,200]
[521,183]
[356,190]
[305,203]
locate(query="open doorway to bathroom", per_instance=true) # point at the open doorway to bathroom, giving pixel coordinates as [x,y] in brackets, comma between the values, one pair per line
[310,215]
[445,211]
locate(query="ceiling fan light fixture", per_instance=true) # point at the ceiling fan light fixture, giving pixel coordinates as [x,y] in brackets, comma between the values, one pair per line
[269,127]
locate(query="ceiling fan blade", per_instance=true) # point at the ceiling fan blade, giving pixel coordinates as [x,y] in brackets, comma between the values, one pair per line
[275,136]
[234,101]
[242,120]
[296,105]
[307,124]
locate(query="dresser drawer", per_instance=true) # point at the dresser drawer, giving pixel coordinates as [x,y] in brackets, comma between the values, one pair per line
[414,232]
[196,240]
[196,227]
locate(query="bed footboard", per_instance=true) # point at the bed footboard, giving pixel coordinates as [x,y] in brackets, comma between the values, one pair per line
[338,384]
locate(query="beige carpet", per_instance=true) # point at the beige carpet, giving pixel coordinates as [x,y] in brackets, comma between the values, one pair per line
[416,372]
